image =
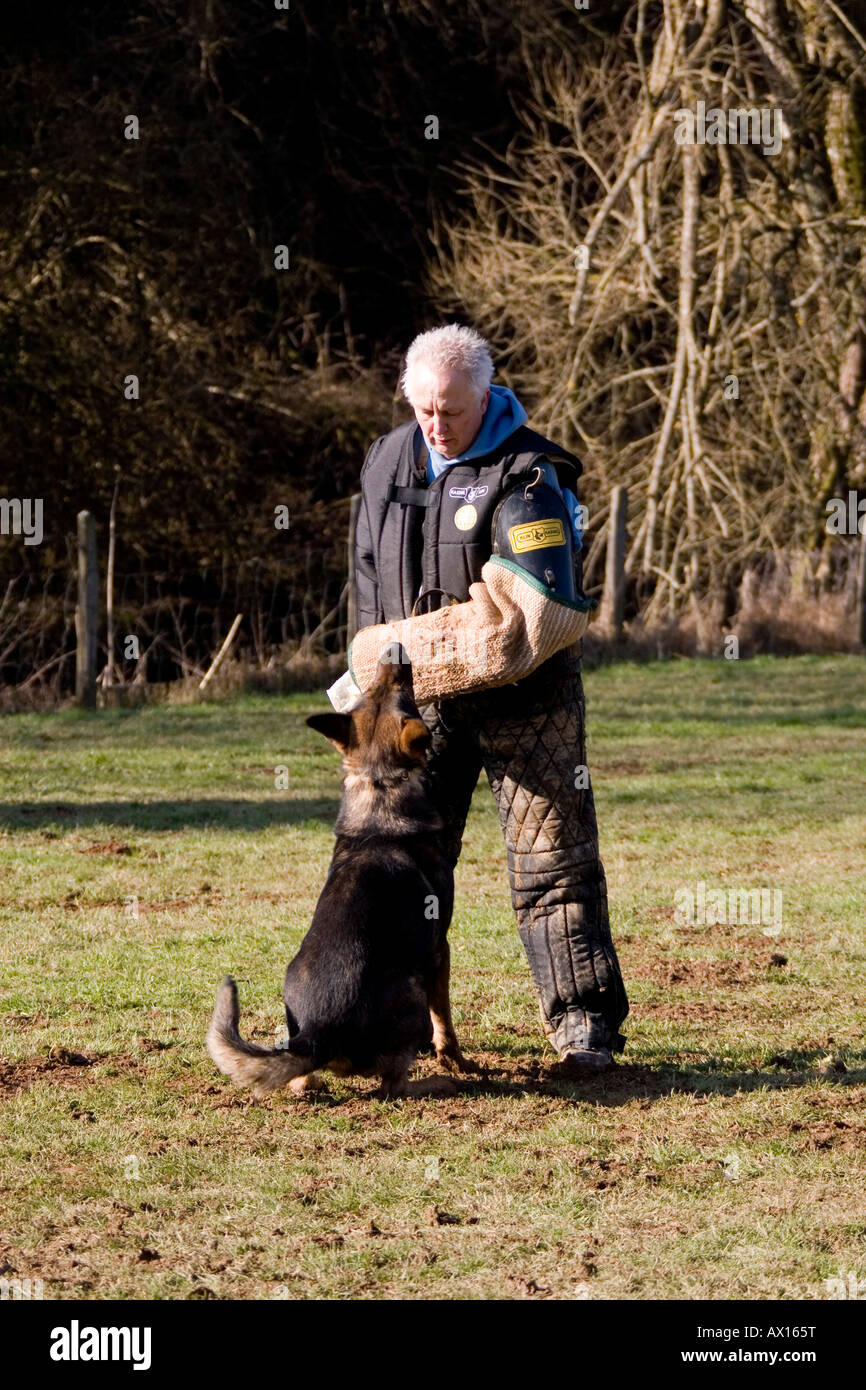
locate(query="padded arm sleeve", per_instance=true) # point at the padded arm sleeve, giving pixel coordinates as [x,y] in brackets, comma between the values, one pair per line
[509,626]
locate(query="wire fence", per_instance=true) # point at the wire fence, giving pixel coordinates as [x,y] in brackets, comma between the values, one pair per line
[297,610]
[168,625]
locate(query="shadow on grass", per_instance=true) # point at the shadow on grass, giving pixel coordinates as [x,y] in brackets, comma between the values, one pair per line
[613,1089]
[220,812]
[632,1081]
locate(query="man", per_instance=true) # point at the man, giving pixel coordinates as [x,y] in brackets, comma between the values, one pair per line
[429,492]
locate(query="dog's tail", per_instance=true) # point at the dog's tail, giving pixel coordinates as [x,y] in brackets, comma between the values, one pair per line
[265,1068]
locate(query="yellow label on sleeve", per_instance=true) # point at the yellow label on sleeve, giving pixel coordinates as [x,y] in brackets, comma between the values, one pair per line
[536,535]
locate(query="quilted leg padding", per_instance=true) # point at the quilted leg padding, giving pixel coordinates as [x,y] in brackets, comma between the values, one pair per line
[454,764]
[536,766]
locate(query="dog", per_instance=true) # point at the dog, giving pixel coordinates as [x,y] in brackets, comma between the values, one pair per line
[369,987]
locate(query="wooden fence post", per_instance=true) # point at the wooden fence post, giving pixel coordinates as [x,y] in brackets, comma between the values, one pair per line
[86,613]
[352,598]
[107,677]
[861,588]
[613,601]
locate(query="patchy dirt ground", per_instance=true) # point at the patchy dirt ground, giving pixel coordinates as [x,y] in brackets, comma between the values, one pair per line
[723,1157]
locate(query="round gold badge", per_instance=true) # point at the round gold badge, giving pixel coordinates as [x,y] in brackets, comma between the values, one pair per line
[465,518]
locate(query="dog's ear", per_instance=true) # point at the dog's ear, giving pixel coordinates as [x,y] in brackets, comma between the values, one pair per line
[336,727]
[414,738]
[394,667]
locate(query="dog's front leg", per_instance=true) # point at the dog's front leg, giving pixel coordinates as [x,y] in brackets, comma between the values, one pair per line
[448,1053]
[395,1077]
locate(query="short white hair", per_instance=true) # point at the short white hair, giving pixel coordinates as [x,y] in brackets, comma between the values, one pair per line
[446,349]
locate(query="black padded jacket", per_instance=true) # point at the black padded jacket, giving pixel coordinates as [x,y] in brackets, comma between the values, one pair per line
[413,537]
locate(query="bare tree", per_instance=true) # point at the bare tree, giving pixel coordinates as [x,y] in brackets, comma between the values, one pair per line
[671,259]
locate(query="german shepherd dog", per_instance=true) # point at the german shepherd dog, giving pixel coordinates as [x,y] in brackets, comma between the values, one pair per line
[368,988]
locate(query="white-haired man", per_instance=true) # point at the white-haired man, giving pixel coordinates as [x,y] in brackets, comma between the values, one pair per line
[430,489]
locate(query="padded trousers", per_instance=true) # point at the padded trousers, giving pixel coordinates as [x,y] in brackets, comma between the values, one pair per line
[530,739]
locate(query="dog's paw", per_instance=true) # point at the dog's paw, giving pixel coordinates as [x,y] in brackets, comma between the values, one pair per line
[307,1085]
[391,1090]
[395,1085]
[452,1060]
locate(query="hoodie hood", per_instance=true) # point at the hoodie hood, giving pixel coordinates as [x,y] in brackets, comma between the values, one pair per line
[504,414]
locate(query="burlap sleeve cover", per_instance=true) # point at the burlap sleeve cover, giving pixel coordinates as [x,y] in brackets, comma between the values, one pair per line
[510,624]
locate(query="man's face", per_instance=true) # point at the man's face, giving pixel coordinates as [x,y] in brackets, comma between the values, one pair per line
[448,409]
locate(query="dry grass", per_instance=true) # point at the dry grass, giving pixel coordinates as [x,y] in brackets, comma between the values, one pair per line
[723,1158]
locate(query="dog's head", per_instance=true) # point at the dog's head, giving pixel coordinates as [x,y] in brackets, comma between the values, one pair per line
[384,732]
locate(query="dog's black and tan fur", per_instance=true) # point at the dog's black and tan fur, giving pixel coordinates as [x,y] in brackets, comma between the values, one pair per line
[368,988]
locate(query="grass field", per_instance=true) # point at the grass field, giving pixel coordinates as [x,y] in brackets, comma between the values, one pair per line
[146,852]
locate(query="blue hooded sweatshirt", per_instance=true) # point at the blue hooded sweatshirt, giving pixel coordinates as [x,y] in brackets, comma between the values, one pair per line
[504,414]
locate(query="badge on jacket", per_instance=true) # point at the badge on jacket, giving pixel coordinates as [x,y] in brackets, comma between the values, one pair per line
[470,492]
[465,518]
